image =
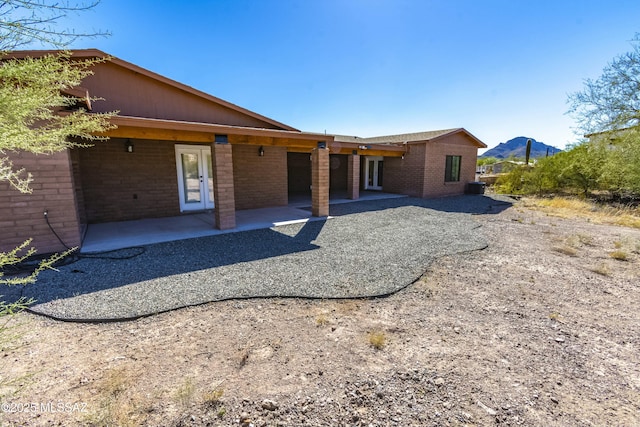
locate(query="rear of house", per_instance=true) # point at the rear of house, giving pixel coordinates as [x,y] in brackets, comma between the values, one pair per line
[177,150]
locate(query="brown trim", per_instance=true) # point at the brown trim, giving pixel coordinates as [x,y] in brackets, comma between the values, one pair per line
[209,128]
[171,130]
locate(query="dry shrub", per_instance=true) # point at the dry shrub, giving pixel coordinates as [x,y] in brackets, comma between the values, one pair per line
[566,207]
[601,269]
[619,255]
[119,405]
[566,250]
[322,320]
[377,339]
[184,393]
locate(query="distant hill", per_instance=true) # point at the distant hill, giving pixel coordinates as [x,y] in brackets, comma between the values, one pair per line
[517,147]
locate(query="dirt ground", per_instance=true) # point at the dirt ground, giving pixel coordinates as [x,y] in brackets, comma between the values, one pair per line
[539,329]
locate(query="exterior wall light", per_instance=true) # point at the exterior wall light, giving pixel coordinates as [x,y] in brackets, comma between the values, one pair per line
[261,151]
[128,146]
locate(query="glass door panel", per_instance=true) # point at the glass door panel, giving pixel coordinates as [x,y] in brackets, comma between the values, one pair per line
[210,178]
[191,178]
[195,177]
[373,173]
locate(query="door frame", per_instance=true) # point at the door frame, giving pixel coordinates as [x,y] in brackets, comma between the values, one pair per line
[206,193]
[376,164]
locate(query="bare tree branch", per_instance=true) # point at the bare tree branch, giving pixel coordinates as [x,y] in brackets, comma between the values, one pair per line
[23,22]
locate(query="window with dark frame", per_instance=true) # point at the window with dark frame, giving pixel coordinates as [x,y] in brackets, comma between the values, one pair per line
[452,169]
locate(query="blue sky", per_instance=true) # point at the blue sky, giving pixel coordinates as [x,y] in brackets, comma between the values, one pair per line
[500,69]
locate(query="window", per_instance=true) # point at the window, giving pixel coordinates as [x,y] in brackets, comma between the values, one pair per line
[452,169]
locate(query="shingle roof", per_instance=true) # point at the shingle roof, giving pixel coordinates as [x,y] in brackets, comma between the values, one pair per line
[405,137]
[347,138]
[409,137]
[394,139]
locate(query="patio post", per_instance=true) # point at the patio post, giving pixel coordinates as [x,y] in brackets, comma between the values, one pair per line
[320,180]
[353,176]
[223,191]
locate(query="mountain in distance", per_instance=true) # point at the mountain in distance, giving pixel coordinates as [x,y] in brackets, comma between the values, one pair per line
[517,147]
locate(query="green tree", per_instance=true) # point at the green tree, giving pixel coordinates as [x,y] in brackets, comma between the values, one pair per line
[31,102]
[544,177]
[612,101]
[35,114]
[583,166]
[608,112]
[621,167]
[512,182]
[487,161]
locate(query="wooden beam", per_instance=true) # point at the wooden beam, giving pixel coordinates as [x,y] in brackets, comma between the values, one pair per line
[147,123]
[160,134]
[303,143]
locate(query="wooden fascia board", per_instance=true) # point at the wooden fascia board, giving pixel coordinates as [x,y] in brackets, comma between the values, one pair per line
[145,128]
[167,130]
[351,148]
[346,151]
[380,153]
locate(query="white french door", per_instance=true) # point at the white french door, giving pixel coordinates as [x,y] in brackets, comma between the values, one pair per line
[195,177]
[373,173]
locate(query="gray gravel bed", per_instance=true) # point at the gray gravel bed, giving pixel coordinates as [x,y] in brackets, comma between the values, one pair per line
[368,249]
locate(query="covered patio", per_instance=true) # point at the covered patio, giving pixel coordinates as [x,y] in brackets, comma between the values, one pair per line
[125,234]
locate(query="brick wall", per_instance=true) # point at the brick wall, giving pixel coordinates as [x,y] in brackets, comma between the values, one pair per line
[259,181]
[223,186]
[22,215]
[353,177]
[119,186]
[405,176]
[74,155]
[320,182]
[436,152]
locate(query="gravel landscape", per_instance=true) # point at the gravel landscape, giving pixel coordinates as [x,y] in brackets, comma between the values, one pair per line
[366,249]
[536,324]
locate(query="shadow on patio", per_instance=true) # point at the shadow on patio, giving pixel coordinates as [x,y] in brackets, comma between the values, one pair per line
[89,273]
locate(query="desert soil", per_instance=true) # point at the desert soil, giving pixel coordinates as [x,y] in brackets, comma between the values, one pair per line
[539,329]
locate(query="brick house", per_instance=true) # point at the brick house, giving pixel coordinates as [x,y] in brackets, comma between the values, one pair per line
[178,150]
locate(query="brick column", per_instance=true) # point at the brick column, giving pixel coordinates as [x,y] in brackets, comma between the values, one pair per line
[223,192]
[353,176]
[320,182]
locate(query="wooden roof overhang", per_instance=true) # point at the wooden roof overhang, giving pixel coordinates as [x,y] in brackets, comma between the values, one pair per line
[205,133]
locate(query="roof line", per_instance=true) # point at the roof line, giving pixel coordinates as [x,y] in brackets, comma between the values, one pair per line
[412,138]
[473,137]
[446,132]
[97,53]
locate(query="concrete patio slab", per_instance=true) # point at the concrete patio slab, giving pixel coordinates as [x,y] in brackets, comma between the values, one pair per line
[126,234]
